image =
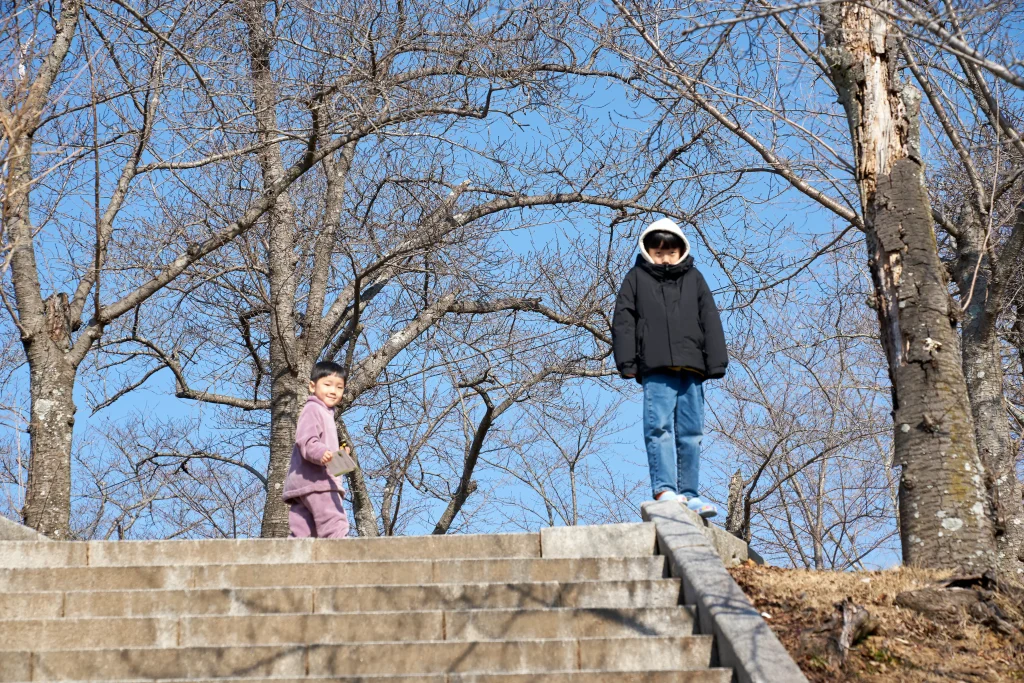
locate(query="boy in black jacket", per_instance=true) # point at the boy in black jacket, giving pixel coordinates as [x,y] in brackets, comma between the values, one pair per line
[667,334]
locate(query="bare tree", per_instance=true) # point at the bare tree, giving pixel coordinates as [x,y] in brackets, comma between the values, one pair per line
[141,108]
[562,465]
[785,119]
[989,47]
[943,520]
[804,416]
[165,478]
[385,240]
[976,187]
[408,67]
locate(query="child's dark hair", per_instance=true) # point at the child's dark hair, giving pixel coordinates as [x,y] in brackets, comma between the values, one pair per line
[662,239]
[327,368]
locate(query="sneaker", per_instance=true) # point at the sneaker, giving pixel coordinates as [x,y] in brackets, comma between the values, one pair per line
[666,495]
[702,508]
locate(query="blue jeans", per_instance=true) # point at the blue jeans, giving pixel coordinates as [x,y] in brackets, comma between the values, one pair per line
[673,429]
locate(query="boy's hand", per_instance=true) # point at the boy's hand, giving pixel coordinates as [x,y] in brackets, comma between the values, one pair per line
[629,375]
[328,456]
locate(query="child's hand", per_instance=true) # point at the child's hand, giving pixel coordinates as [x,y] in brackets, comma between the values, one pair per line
[328,456]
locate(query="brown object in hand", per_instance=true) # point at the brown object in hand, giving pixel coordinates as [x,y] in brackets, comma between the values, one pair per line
[342,462]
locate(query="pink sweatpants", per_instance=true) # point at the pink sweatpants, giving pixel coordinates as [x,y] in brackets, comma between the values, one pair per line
[318,515]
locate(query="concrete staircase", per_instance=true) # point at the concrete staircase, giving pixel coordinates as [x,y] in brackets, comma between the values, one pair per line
[564,605]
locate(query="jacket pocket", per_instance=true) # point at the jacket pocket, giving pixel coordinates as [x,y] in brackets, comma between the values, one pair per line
[641,334]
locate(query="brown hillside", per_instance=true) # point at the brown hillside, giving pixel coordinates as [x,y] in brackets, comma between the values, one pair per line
[906,647]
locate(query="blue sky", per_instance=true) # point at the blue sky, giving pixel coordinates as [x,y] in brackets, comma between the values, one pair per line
[800,221]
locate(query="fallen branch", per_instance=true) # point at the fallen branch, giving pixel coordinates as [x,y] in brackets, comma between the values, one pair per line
[834,639]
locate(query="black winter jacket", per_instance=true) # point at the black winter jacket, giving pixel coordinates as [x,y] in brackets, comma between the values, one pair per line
[665,316]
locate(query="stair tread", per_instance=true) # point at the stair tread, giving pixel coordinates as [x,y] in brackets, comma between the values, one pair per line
[608,540]
[487,608]
[334,573]
[199,551]
[659,592]
[707,675]
[72,591]
[454,644]
[342,614]
[536,656]
[280,629]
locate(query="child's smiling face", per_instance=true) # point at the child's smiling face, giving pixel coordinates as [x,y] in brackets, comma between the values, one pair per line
[328,389]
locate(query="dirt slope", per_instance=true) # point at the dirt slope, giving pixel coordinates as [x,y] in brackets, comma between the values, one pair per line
[907,646]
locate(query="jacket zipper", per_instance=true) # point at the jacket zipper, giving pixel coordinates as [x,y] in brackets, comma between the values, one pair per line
[668,326]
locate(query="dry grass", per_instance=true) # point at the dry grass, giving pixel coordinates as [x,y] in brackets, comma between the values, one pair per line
[908,647]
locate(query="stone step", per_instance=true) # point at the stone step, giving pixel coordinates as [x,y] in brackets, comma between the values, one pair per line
[688,676]
[613,540]
[526,656]
[284,629]
[271,551]
[333,574]
[241,601]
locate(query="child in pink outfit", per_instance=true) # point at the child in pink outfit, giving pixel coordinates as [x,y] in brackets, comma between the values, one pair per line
[313,493]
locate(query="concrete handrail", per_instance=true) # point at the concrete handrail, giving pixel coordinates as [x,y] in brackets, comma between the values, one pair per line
[743,639]
[12,531]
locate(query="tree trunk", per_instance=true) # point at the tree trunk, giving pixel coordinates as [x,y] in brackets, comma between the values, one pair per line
[983,370]
[362,505]
[52,383]
[282,263]
[734,522]
[283,417]
[943,520]
[44,330]
[466,483]
[43,325]
[819,517]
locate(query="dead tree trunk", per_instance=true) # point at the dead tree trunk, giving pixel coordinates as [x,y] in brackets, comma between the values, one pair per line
[734,521]
[943,513]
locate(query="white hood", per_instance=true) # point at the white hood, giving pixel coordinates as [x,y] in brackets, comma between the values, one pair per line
[664,225]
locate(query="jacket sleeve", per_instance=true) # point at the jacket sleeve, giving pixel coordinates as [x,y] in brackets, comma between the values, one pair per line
[624,327]
[309,436]
[716,357]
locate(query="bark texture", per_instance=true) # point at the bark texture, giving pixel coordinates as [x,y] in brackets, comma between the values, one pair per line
[734,521]
[283,420]
[981,284]
[944,520]
[52,383]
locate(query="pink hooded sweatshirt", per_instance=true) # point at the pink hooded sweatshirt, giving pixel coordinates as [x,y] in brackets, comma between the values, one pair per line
[315,434]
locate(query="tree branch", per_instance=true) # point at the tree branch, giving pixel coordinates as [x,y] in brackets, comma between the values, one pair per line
[689,91]
[202,455]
